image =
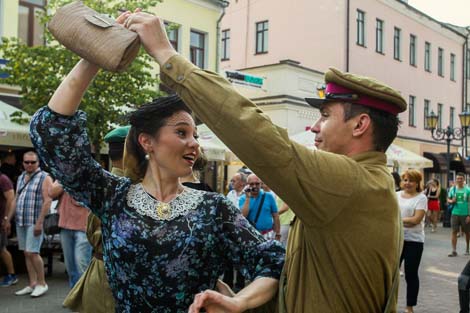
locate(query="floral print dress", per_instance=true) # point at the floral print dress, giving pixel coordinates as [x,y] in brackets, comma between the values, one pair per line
[154,264]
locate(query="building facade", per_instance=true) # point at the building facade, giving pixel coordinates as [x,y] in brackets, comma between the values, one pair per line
[426,60]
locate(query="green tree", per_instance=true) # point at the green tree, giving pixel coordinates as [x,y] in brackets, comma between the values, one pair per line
[38,71]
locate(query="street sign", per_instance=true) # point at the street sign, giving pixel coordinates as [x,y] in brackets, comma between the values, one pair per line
[244,79]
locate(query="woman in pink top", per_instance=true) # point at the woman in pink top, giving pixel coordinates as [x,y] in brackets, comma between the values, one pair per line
[72,221]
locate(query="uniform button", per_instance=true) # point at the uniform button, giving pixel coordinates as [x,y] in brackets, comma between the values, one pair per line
[168,66]
[180,78]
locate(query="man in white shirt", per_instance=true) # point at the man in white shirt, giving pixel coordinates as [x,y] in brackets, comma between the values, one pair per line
[238,182]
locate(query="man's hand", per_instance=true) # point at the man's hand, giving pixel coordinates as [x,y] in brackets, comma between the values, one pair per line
[214,302]
[38,228]
[152,34]
[467,219]
[6,227]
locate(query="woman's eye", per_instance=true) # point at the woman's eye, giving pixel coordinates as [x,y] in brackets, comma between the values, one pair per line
[196,136]
[181,133]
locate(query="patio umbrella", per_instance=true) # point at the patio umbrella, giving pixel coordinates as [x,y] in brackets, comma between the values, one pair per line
[396,155]
[214,149]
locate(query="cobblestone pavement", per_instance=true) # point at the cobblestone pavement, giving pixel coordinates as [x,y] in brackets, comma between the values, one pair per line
[51,302]
[438,275]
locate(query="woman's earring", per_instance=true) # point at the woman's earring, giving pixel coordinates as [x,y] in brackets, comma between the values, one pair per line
[147,157]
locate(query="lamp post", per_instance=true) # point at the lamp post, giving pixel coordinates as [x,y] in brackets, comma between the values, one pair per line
[448,134]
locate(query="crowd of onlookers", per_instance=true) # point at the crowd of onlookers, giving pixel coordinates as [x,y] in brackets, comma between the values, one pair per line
[27,196]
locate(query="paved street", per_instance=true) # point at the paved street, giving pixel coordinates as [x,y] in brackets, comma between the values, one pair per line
[438,273]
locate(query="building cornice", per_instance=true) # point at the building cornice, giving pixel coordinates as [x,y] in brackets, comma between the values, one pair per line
[429,18]
[281,63]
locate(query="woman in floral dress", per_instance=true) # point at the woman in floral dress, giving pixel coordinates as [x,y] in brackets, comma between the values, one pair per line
[165,245]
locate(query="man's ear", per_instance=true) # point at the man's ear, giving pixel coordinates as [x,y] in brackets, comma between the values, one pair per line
[363,123]
[145,140]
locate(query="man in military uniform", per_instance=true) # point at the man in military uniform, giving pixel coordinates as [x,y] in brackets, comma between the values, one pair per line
[115,139]
[345,243]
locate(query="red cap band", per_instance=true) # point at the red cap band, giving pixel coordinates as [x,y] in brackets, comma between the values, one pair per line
[363,99]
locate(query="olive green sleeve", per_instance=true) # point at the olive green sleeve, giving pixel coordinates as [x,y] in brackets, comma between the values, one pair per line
[316,185]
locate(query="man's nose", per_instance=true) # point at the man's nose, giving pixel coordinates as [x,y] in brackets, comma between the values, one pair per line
[315,127]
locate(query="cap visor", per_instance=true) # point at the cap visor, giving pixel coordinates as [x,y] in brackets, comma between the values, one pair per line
[315,102]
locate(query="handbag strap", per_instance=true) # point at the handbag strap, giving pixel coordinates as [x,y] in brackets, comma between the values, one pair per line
[396,277]
[259,209]
[26,184]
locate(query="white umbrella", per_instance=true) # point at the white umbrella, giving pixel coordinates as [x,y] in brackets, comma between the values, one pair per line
[214,149]
[396,155]
[11,133]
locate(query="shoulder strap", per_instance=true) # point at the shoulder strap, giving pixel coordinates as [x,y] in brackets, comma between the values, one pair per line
[259,209]
[396,277]
[26,184]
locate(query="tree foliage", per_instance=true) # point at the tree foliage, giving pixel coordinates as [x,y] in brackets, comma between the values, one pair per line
[38,71]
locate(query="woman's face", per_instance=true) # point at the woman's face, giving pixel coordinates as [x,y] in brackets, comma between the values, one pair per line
[175,147]
[409,185]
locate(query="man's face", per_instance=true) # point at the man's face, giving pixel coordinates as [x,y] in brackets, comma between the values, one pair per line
[255,184]
[459,180]
[332,133]
[237,183]
[30,163]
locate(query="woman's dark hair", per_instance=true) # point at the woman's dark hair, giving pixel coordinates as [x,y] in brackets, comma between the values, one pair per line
[148,119]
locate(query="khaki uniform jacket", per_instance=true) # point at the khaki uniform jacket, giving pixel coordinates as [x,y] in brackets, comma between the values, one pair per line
[343,248]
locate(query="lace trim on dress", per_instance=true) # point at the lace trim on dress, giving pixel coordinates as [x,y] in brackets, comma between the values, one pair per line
[146,205]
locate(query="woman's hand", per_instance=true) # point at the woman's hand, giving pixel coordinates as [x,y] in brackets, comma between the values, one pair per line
[152,34]
[215,302]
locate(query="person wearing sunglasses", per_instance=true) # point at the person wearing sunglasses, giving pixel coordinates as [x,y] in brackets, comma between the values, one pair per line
[32,204]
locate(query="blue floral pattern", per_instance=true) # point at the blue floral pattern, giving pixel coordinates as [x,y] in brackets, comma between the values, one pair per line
[152,265]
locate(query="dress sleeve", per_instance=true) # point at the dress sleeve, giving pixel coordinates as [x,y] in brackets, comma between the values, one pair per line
[244,247]
[63,146]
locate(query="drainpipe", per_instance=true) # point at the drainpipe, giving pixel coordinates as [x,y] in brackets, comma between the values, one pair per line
[347,34]
[217,44]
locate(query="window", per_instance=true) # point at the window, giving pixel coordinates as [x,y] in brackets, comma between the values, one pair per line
[427,56]
[396,43]
[411,112]
[452,66]
[30,29]
[361,36]
[172,31]
[197,48]
[451,117]
[439,113]
[440,62]
[413,50]
[426,113]
[379,36]
[225,45]
[262,37]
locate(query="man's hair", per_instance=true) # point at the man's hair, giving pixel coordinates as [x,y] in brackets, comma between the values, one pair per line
[460,174]
[385,125]
[31,153]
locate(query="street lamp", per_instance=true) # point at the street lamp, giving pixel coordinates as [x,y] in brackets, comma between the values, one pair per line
[448,134]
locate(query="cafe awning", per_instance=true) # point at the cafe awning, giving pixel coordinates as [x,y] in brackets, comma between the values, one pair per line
[396,155]
[13,134]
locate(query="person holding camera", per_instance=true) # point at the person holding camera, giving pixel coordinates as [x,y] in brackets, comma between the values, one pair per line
[260,208]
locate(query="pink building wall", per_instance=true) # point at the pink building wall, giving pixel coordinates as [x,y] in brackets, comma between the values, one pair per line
[408,79]
[296,32]
[313,32]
